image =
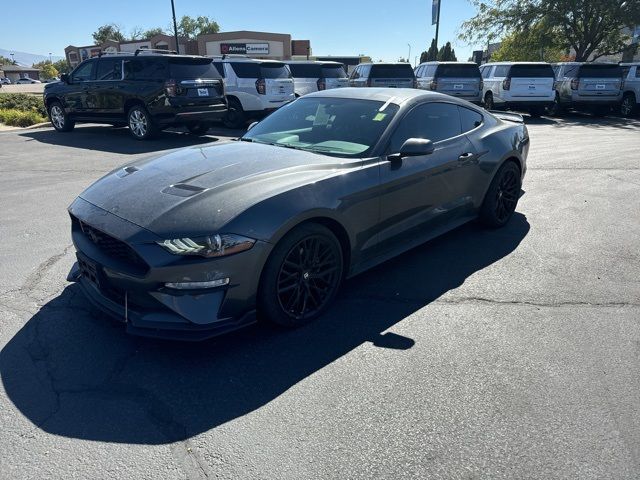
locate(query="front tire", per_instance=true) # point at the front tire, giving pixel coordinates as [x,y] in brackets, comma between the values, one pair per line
[140,123]
[301,276]
[502,197]
[59,118]
[628,106]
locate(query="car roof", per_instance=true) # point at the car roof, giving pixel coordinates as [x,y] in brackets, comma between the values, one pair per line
[392,95]
[229,58]
[516,63]
[312,62]
[435,62]
[384,63]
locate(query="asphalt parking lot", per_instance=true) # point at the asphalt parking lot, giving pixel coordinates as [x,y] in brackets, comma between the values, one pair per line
[511,353]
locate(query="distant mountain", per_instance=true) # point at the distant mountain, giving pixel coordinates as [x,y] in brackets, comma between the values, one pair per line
[27,59]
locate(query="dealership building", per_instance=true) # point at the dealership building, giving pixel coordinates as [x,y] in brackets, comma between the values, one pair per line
[276,46]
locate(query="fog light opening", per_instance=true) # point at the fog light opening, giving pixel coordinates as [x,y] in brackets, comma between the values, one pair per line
[221,282]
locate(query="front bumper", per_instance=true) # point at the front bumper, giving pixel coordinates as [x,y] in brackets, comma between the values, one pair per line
[136,294]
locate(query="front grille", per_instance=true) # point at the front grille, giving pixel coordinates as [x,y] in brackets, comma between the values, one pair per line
[111,246]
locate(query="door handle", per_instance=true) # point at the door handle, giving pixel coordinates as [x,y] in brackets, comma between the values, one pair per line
[467,156]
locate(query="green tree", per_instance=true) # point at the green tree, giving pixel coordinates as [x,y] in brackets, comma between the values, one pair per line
[431,54]
[537,43]
[47,70]
[590,27]
[447,54]
[192,27]
[62,66]
[108,32]
[152,32]
[6,61]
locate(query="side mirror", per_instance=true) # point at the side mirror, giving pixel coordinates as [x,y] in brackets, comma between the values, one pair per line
[415,147]
[251,126]
[64,77]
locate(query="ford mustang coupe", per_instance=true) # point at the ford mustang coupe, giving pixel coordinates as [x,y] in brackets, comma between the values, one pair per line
[205,240]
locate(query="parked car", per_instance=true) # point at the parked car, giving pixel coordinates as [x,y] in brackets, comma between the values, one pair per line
[630,89]
[459,79]
[5,81]
[25,81]
[312,76]
[191,244]
[146,91]
[593,87]
[525,86]
[254,88]
[396,75]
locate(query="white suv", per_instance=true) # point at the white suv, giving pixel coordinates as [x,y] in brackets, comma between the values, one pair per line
[524,86]
[254,88]
[311,76]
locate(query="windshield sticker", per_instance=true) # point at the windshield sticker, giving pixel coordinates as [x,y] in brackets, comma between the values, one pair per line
[379,117]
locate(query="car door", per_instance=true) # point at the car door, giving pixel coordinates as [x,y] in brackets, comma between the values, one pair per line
[107,90]
[75,99]
[423,193]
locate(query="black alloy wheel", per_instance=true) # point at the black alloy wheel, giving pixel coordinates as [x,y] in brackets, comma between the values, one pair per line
[302,276]
[141,125]
[502,197]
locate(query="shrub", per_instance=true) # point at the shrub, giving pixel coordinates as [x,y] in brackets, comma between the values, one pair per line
[23,102]
[18,118]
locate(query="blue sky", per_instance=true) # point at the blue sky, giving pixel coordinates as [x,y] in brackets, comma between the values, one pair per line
[377,28]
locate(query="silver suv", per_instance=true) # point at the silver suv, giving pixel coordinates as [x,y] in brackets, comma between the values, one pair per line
[312,76]
[523,86]
[460,79]
[395,75]
[594,87]
[254,88]
[630,89]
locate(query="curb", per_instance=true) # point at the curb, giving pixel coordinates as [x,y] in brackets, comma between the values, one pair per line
[38,125]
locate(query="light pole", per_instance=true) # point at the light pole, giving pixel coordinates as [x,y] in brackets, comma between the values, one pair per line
[49,57]
[409,56]
[12,60]
[175,26]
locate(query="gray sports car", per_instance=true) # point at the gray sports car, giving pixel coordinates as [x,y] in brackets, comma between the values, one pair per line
[205,240]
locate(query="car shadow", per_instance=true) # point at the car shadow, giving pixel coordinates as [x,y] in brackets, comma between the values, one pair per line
[75,374]
[118,140]
[581,119]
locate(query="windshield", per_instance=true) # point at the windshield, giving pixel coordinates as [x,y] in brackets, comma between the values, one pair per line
[260,70]
[458,71]
[190,68]
[399,70]
[341,127]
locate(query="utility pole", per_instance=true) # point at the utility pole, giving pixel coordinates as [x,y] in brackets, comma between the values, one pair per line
[437,23]
[409,56]
[49,57]
[175,26]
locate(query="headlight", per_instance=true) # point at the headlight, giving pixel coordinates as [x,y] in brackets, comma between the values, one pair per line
[211,246]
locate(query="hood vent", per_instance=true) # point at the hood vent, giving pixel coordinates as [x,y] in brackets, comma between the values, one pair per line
[183,190]
[127,171]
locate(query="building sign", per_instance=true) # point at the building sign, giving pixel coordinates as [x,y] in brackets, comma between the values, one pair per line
[244,48]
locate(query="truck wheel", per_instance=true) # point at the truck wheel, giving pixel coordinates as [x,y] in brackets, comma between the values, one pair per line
[235,117]
[59,118]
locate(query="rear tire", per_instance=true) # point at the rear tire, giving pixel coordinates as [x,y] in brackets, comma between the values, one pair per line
[488,101]
[536,112]
[59,118]
[235,117]
[501,199]
[301,276]
[198,128]
[141,125]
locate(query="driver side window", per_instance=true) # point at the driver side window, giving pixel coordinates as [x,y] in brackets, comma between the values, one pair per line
[433,121]
[84,72]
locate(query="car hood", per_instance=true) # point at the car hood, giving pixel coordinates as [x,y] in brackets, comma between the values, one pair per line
[199,189]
